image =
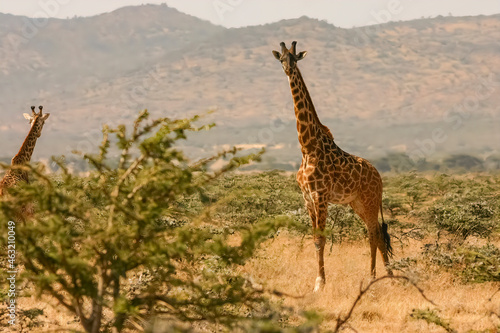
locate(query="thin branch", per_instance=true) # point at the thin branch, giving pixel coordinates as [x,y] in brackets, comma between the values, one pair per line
[263,290]
[127,173]
[116,190]
[49,289]
[283,294]
[362,291]
[97,303]
[491,297]
[493,313]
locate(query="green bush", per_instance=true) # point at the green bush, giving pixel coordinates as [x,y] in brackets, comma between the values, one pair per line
[473,264]
[464,219]
[442,256]
[409,188]
[432,317]
[395,204]
[246,198]
[345,224]
[90,236]
[481,264]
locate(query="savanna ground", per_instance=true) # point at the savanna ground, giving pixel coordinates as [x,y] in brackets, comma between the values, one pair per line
[440,225]
[446,239]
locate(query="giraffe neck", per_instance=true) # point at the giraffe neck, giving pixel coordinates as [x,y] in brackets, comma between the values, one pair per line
[309,127]
[24,154]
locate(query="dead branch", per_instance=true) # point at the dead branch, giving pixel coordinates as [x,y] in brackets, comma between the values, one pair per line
[342,321]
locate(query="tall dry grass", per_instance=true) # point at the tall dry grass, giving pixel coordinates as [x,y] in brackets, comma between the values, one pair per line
[288,264]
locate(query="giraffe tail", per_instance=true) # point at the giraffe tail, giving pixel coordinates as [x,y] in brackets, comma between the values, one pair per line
[385,234]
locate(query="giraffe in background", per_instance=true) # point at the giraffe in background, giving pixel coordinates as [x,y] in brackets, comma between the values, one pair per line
[13,176]
[328,174]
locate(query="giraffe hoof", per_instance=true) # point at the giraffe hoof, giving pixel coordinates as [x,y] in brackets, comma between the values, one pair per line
[320,285]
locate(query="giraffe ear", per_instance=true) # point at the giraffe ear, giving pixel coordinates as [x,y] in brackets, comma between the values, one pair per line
[45,116]
[277,55]
[301,55]
[27,116]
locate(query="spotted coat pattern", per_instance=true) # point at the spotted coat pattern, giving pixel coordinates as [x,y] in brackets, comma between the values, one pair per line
[14,176]
[328,174]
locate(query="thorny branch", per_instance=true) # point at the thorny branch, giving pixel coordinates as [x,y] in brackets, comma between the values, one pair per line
[342,321]
[493,313]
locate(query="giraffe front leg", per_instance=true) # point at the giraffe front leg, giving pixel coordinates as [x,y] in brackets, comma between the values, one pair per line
[319,243]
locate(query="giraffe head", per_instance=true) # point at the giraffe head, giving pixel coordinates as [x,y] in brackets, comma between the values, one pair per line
[289,57]
[37,119]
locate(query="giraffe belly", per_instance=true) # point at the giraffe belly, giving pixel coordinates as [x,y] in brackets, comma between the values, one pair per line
[340,198]
[342,188]
[332,190]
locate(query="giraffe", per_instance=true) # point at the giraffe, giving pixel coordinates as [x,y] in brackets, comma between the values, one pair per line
[13,176]
[328,174]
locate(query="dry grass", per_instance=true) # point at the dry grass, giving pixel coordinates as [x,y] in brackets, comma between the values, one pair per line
[54,317]
[287,263]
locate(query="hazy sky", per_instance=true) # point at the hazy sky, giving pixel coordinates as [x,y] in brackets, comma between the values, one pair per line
[235,13]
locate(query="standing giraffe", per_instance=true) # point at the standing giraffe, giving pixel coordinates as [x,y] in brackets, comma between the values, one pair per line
[13,176]
[328,174]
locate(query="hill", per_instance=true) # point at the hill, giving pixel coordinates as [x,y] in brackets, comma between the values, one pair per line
[384,88]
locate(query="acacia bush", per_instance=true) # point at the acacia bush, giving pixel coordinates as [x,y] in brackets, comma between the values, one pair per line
[472,263]
[409,188]
[481,264]
[395,204]
[91,236]
[345,224]
[431,316]
[464,216]
[246,198]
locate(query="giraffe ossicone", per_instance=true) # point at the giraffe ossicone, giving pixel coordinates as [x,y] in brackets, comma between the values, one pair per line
[328,174]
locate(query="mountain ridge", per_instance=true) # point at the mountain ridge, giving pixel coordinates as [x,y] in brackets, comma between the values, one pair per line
[106,68]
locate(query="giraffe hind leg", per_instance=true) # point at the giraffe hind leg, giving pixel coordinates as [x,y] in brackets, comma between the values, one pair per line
[378,236]
[373,254]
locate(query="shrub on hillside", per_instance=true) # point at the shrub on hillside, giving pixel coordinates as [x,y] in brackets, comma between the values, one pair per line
[463,162]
